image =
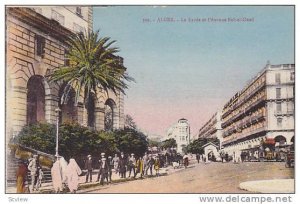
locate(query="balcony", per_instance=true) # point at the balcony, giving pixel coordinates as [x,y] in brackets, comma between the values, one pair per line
[240,136]
[240,102]
[249,108]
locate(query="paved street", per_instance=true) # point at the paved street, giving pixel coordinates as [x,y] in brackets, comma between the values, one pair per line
[204,178]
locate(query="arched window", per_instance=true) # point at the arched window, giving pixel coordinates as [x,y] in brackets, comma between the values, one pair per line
[67,104]
[35,100]
[110,115]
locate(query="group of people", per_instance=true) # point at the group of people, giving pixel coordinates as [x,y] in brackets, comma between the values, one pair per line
[120,165]
[36,175]
[64,173]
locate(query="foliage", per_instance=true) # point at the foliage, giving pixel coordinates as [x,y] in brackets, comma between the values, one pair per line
[39,136]
[129,122]
[78,141]
[131,141]
[169,143]
[196,146]
[153,143]
[92,65]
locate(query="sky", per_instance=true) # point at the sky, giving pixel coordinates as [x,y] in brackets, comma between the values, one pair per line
[190,69]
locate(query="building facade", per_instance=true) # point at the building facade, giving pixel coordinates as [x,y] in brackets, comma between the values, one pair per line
[262,111]
[35,45]
[181,133]
[212,128]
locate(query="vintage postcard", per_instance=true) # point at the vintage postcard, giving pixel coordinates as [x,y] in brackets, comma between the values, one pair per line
[150,99]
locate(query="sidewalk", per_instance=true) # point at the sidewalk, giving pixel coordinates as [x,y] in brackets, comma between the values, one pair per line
[91,186]
[269,186]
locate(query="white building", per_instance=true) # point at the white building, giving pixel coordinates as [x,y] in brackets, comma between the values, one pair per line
[262,112]
[181,133]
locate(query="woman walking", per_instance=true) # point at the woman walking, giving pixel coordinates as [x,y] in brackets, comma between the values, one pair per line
[73,171]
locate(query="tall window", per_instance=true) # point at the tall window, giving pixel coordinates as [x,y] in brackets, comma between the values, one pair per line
[277,78]
[40,45]
[67,60]
[292,77]
[278,93]
[35,100]
[58,17]
[78,11]
[278,107]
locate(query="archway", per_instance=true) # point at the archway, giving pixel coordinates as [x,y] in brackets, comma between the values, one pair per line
[280,140]
[35,100]
[67,104]
[293,139]
[110,116]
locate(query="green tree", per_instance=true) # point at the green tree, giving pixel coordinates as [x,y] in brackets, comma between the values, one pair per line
[169,143]
[39,136]
[92,65]
[131,141]
[129,122]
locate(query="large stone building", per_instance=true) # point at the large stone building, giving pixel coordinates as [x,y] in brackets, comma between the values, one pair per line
[212,128]
[35,45]
[181,133]
[262,111]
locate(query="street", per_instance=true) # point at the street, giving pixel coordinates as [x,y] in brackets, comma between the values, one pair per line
[204,178]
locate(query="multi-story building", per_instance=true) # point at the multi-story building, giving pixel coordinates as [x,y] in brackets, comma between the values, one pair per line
[35,45]
[212,128]
[181,133]
[262,110]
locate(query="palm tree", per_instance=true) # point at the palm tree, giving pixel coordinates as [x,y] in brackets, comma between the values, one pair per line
[92,65]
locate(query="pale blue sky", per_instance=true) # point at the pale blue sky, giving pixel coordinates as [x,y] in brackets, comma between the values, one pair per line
[190,69]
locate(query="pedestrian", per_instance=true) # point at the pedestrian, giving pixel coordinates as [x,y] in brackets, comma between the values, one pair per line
[104,169]
[122,166]
[156,165]
[150,164]
[21,178]
[89,168]
[198,157]
[33,168]
[110,167]
[56,174]
[131,165]
[139,167]
[63,166]
[73,171]
[39,178]
[145,163]
[185,161]
[116,163]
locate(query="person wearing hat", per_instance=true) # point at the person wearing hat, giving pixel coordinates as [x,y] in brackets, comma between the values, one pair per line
[122,166]
[33,168]
[89,167]
[100,166]
[131,165]
[104,169]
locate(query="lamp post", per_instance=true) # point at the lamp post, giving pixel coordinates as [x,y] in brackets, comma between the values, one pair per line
[57,110]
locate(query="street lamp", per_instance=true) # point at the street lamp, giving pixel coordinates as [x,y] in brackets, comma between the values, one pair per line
[57,110]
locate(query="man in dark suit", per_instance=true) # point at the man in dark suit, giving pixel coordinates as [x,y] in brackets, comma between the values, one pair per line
[89,168]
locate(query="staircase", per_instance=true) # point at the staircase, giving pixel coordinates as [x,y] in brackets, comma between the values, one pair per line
[12,165]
